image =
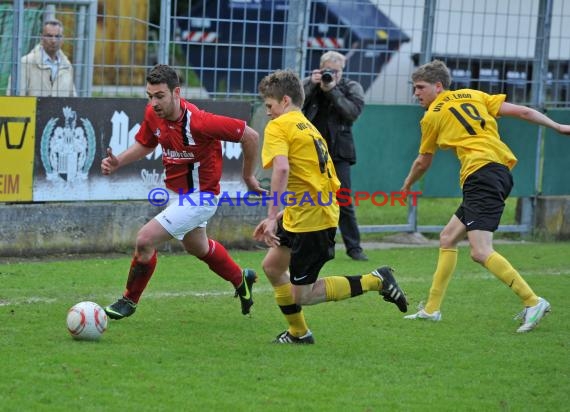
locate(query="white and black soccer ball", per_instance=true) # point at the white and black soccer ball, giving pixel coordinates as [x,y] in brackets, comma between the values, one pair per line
[86,321]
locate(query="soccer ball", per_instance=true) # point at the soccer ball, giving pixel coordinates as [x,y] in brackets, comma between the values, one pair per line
[86,321]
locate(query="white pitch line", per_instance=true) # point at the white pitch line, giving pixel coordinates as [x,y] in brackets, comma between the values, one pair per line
[30,300]
[403,281]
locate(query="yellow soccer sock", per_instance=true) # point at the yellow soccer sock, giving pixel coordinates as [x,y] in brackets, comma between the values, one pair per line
[344,287]
[445,267]
[293,313]
[337,288]
[502,269]
[370,282]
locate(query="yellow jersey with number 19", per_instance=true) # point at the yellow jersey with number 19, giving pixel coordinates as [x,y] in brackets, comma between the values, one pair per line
[465,121]
[310,202]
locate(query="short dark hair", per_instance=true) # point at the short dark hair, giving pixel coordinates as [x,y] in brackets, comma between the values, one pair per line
[163,73]
[53,22]
[282,83]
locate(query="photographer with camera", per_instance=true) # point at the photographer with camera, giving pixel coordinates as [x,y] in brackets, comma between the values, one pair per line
[332,104]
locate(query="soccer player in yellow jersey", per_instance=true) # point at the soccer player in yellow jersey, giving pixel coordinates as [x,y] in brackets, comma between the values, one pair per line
[465,121]
[301,234]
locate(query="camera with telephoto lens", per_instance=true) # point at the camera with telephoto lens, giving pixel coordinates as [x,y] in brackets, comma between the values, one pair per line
[327,75]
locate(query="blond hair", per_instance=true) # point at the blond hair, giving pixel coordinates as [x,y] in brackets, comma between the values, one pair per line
[333,56]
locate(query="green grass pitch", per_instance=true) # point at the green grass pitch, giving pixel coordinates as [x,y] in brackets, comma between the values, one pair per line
[189,348]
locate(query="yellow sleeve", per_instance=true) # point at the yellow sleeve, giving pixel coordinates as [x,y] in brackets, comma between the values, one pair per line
[274,144]
[494,102]
[428,143]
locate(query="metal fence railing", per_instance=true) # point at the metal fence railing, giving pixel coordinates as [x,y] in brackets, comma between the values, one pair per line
[223,48]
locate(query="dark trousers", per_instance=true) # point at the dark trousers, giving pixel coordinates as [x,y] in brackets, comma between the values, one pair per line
[347,220]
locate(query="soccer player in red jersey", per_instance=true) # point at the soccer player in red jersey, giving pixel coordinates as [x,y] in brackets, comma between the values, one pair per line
[192,157]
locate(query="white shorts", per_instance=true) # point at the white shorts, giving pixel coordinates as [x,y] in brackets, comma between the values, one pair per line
[185,213]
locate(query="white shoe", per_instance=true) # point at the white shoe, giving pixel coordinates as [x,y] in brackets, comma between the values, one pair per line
[422,314]
[531,315]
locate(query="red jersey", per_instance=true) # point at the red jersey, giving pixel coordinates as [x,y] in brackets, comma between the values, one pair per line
[191,147]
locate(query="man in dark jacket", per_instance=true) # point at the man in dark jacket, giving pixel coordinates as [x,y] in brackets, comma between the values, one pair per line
[332,104]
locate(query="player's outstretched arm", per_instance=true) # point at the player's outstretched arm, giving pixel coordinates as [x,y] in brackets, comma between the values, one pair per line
[111,163]
[419,167]
[531,115]
[250,148]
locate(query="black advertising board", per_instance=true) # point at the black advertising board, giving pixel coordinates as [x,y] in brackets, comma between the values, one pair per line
[72,136]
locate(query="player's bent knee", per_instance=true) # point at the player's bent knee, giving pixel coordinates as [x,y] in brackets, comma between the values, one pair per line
[444,237]
[143,242]
[198,251]
[479,257]
[446,242]
[275,275]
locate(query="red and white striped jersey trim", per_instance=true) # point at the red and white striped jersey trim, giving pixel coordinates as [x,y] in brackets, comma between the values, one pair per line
[325,42]
[200,36]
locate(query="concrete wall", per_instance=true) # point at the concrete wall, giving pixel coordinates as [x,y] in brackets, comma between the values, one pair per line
[553,217]
[98,227]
